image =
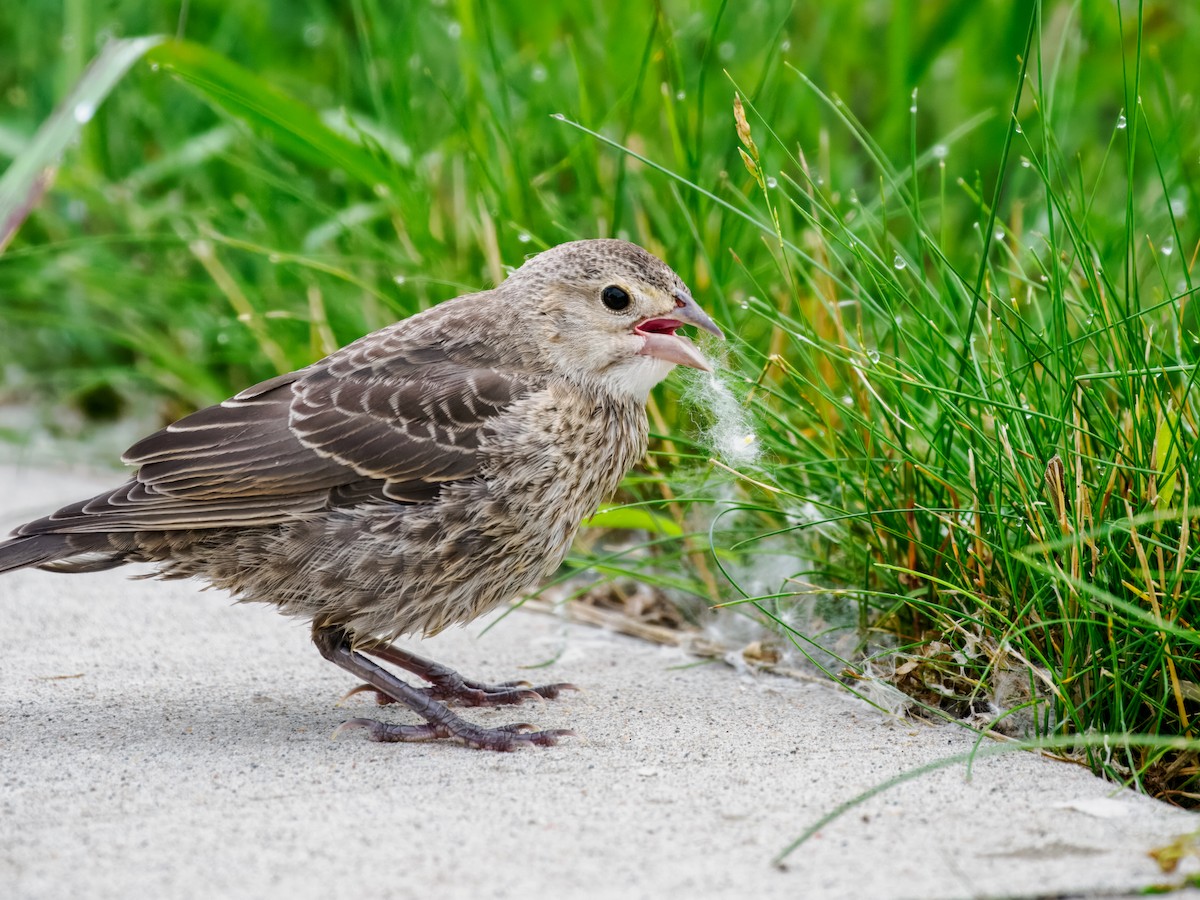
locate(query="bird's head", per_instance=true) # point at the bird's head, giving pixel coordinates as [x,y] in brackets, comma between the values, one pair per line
[608,310]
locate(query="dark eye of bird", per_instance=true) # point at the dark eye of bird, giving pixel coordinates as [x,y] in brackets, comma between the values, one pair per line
[615,298]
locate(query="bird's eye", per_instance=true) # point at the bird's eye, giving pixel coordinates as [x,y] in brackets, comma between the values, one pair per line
[615,298]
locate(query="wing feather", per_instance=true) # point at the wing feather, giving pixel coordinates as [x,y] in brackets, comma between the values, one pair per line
[392,417]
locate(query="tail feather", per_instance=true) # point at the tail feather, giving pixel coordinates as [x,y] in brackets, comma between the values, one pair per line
[60,553]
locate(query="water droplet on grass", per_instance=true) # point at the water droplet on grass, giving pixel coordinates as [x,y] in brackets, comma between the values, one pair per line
[524,238]
[898,263]
[1121,123]
[83,112]
[772,183]
[314,34]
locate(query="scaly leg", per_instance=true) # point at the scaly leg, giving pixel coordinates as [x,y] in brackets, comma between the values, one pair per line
[441,723]
[450,687]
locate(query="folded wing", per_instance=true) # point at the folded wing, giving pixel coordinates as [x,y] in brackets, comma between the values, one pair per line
[378,421]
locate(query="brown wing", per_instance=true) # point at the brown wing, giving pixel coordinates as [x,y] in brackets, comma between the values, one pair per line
[413,434]
[374,421]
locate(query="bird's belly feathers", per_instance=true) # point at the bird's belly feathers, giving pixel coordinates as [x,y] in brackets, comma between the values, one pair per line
[387,569]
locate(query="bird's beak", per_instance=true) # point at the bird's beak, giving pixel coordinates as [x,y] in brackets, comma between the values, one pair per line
[663,343]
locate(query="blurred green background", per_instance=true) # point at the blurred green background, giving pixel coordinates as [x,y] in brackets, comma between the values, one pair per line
[102,304]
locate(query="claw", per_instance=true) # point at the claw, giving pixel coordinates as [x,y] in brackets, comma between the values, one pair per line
[351,725]
[381,698]
[551,691]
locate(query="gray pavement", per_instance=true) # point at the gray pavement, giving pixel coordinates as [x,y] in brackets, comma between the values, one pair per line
[157,740]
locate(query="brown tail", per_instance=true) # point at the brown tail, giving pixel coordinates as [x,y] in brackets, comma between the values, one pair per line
[59,553]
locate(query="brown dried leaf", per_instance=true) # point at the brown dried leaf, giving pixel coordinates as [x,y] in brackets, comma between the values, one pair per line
[1056,488]
[760,653]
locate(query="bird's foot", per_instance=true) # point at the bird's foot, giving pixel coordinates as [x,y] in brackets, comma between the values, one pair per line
[448,686]
[503,738]
[440,722]
[459,691]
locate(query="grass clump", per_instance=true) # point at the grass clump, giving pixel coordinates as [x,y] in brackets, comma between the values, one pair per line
[996,434]
[953,248]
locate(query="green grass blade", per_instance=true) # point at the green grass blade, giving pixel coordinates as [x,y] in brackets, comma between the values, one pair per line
[31,172]
[294,127]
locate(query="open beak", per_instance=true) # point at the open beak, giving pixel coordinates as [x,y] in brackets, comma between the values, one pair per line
[663,343]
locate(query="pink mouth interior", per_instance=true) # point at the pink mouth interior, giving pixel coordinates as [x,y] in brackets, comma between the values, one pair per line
[658,326]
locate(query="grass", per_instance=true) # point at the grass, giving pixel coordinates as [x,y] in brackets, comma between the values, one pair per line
[961,315]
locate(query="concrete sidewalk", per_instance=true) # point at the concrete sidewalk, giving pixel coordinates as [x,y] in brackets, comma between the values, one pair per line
[159,741]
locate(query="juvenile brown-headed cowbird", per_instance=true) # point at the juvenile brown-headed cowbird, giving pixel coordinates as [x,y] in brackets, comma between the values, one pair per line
[414,479]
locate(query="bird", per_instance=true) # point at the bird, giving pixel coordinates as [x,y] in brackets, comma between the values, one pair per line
[414,479]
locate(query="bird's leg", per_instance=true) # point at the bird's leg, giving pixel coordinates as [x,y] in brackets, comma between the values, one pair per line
[440,722]
[450,687]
